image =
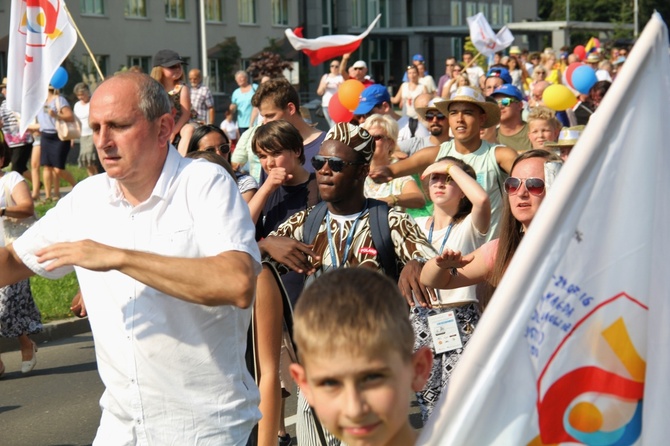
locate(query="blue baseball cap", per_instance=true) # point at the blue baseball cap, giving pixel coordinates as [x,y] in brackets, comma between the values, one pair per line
[509,90]
[371,96]
[502,73]
[418,58]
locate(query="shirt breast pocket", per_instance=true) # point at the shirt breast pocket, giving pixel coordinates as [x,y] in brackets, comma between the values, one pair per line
[176,239]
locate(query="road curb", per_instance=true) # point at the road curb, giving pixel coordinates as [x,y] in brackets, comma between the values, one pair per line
[52,331]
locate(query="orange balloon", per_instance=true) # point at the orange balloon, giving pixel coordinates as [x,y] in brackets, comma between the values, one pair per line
[350,93]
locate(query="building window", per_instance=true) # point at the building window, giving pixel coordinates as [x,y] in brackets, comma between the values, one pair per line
[484,9]
[495,15]
[456,13]
[470,9]
[326,14]
[174,9]
[89,67]
[213,11]
[92,7]
[507,14]
[247,11]
[365,11]
[144,62]
[135,8]
[280,12]
[457,48]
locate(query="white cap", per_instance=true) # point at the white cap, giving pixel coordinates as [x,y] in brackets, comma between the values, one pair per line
[360,64]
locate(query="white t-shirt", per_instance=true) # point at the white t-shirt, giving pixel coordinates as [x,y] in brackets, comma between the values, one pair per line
[332,84]
[174,371]
[230,128]
[81,111]
[463,237]
[9,180]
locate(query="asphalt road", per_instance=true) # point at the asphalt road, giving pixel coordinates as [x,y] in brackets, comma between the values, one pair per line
[55,405]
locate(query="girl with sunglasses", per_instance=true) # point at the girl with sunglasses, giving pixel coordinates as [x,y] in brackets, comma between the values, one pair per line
[401,192]
[461,220]
[525,189]
[210,138]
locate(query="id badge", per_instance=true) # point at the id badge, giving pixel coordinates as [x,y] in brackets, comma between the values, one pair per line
[444,331]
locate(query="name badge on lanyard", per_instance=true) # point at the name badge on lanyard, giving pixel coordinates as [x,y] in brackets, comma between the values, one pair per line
[444,331]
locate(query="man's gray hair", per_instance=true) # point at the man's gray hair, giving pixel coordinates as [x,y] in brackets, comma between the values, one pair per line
[80,88]
[153,100]
[243,73]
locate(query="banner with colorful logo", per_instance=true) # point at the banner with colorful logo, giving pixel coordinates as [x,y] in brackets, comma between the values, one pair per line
[40,38]
[573,348]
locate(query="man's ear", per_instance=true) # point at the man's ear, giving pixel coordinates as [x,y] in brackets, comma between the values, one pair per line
[165,125]
[300,377]
[422,362]
[291,108]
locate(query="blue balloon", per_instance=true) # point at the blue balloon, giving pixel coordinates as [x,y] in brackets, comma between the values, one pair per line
[59,79]
[583,78]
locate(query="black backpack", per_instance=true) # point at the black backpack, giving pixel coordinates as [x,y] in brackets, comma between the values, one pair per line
[379,227]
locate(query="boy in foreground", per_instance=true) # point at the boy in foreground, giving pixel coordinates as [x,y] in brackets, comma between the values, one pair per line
[357,367]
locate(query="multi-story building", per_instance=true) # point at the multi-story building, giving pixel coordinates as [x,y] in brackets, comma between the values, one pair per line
[122,33]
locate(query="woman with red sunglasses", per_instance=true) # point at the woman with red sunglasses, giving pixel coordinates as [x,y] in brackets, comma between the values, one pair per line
[525,190]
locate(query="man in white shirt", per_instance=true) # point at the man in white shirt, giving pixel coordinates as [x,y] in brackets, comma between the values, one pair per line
[164,251]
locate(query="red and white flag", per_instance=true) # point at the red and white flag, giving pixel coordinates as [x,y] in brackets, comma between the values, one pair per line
[484,39]
[573,348]
[40,38]
[324,48]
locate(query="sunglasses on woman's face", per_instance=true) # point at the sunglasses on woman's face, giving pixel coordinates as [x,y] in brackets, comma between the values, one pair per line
[534,186]
[378,137]
[223,148]
[336,164]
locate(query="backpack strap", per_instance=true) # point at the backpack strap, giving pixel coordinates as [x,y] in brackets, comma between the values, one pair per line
[413,124]
[381,237]
[313,222]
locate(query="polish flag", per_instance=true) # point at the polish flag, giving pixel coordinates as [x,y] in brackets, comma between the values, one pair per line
[324,48]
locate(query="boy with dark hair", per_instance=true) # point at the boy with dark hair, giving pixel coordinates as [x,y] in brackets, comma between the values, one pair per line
[357,366]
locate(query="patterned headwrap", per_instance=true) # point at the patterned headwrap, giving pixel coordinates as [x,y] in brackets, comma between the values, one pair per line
[353,136]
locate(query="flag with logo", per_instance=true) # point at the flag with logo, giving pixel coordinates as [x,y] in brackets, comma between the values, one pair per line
[573,348]
[484,39]
[592,45]
[40,38]
[324,48]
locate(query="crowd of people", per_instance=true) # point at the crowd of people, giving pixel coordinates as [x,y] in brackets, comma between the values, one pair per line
[387,234]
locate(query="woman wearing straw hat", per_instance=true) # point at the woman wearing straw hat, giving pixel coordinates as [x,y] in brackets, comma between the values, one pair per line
[567,139]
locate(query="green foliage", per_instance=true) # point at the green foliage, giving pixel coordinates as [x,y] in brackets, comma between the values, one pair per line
[228,55]
[481,60]
[268,64]
[53,297]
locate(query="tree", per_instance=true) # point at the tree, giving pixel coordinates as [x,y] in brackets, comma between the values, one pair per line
[268,63]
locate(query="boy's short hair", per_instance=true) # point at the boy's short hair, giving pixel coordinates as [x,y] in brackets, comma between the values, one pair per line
[544,114]
[277,136]
[279,91]
[358,310]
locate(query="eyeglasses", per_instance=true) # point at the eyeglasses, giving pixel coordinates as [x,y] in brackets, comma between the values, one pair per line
[450,64]
[336,164]
[358,68]
[378,137]
[506,102]
[457,70]
[334,66]
[223,148]
[535,186]
[431,115]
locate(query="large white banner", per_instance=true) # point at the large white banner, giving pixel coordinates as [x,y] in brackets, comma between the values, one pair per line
[574,345]
[484,39]
[40,38]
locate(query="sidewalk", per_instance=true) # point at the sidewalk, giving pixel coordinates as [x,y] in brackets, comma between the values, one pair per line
[52,331]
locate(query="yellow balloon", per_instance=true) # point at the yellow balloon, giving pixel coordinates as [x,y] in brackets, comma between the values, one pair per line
[558,97]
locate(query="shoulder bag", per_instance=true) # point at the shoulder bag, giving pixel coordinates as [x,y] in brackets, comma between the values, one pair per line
[68,130]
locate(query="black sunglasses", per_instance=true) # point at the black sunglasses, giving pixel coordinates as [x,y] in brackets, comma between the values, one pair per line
[223,148]
[430,116]
[336,164]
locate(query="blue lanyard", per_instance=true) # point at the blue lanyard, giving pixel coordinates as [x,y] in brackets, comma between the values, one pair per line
[350,239]
[446,235]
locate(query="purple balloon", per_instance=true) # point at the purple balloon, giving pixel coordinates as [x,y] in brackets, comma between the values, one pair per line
[59,79]
[583,78]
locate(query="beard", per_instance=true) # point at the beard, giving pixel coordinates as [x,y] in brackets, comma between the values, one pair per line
[436,130]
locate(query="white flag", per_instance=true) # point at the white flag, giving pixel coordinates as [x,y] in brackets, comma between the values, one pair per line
[484,39]
[40,38]
[574,345]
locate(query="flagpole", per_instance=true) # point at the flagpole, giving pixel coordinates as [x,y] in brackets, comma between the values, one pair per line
[90,53]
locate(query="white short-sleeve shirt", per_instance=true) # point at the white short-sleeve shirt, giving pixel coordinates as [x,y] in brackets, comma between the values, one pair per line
[174,371]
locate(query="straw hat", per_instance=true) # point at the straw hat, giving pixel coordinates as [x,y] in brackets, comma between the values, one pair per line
[421,111]
[473,96]
[4,82]
[593,58]
[567,137]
